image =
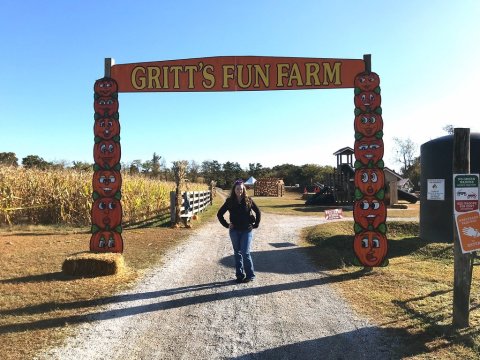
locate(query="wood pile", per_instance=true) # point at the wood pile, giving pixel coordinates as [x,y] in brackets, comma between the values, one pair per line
[269,187]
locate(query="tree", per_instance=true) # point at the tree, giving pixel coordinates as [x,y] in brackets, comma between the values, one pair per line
[81,166]
[8,158]
[291,174]
[35,161]
[405,150]
[255,170]
[231,172]
[211,170]
[449,129]
[156,165]
[193,170]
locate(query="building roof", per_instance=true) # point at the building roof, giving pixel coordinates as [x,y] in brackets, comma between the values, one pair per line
[344,151]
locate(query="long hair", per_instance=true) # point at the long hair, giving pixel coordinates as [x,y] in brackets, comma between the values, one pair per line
[245,197]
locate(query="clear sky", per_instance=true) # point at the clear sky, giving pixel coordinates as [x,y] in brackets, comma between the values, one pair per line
[427,54]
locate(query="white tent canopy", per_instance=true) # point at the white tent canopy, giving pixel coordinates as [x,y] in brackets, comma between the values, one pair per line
[251,180]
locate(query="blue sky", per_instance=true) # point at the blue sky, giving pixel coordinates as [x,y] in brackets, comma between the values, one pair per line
[426,53]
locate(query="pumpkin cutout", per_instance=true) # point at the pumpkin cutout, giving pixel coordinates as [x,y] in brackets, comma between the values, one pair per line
[367,100]
[106,153]
[106,106]
[106,241]
[107,128]
[367,81]
[105,87]
[369,212]
[107,213]
[368,150]
[370,247]
[368,124]
[107,182]
[369,181]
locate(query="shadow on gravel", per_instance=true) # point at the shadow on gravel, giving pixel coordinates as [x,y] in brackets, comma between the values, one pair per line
[232,290]
[365,343]
[287,259]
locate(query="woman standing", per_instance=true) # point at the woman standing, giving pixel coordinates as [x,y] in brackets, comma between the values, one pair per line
[239,205]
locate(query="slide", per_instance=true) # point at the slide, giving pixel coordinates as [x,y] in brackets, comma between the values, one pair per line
[347,169]
[403,195]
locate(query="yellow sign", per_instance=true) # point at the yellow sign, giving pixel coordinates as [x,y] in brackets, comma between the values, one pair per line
[468,225]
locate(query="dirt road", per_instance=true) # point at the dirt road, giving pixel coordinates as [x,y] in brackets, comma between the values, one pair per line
[190,308]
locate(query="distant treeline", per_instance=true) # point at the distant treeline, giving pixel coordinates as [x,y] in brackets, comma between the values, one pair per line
[224,174]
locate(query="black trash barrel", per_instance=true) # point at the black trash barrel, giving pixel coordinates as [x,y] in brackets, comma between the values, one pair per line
[436,157]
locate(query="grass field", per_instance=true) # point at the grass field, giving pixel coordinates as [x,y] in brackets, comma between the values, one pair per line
[412,298]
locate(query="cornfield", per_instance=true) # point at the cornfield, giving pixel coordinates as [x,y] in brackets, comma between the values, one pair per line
[31,196]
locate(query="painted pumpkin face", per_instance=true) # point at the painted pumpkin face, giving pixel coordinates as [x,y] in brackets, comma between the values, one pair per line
[107,153]
[367,81]
[106,241]
[105,86]
[368,149]
[367,100]
[369,212]
[106,106]
[368,124]
[106,213]
[107,128]
[107,182]
[370,247]
[369,181]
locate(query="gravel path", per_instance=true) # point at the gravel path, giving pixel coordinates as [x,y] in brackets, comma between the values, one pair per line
[189,308]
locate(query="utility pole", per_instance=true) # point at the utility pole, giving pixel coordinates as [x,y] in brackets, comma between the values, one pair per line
[462,270]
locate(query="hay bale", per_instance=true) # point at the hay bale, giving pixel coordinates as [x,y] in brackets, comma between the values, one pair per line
[93,264]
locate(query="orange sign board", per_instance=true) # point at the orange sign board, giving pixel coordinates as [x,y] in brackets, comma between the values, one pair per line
[468,225]
[237,73]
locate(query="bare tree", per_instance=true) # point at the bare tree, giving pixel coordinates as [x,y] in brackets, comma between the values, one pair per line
[405,150]
[449,129]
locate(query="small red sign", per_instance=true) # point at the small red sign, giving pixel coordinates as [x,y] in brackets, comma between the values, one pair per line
[333,214]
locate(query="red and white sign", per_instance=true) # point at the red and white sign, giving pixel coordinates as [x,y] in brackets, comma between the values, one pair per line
[333,214]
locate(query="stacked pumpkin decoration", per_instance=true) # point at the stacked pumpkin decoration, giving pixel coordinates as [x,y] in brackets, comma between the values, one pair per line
[107,181]
[369,212]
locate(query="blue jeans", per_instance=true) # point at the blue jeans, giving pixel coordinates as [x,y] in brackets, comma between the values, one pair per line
[242,242]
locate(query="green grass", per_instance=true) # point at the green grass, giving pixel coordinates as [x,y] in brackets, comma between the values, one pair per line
[412,297]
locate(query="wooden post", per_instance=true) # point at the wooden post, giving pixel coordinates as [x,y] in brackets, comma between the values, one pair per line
[462,271]
[109,62]
[368,62]
[172,207]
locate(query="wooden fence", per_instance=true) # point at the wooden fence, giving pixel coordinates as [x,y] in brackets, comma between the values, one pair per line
[198,201]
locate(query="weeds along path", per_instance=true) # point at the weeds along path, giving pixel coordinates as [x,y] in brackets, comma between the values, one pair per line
[190,308]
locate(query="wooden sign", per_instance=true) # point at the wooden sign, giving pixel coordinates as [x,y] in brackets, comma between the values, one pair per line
[237,73]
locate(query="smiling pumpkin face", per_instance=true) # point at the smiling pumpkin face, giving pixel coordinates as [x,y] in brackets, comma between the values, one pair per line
[368,124]
[106,241]
[367,100]
[369,181]
[369,212]
[106,106]
[107,153]
[368,150]
[105,86]
[106,128]
[370,247]
[107,182]
[106,213]
[367,81]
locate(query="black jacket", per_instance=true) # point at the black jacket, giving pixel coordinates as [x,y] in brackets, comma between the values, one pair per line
[239,214]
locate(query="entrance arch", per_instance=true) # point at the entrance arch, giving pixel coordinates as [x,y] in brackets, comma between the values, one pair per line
[244,73]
